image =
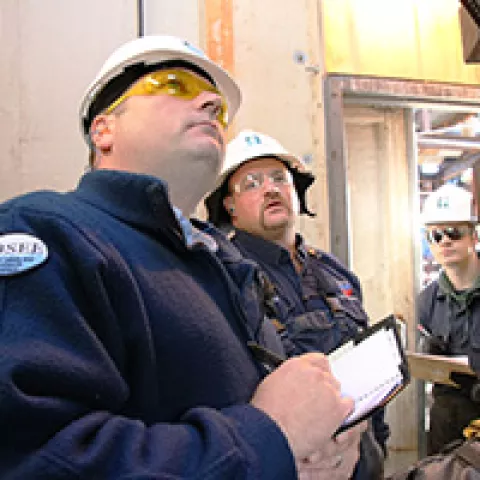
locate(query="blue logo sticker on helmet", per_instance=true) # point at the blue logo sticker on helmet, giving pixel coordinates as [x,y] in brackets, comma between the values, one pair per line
[194,49]
[252,140]
[443,202]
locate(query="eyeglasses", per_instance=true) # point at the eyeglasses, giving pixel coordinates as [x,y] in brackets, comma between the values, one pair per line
[176,83]
[253,181]
[453,233]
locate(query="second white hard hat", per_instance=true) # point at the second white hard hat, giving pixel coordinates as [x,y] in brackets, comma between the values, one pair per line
[246,146]
[448,204]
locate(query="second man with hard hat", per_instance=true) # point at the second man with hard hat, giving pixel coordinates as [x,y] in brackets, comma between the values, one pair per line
[259,195]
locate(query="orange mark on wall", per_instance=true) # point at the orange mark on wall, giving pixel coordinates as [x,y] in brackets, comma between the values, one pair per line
[219,32]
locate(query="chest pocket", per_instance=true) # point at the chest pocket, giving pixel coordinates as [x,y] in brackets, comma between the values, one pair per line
[352,308]
[337,294]
[349,314]
[314,331]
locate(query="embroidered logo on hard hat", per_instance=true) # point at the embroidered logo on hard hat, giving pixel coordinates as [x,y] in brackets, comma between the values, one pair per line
[20,252]
[194,49]
[252,140]
[443,202]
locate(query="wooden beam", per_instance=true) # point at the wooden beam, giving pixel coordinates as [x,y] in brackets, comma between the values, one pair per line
[219,32]
[468,160]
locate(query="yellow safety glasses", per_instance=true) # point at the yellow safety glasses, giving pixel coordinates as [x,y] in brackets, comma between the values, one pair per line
[177,83]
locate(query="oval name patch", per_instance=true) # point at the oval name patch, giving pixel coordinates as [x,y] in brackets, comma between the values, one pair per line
[20,252]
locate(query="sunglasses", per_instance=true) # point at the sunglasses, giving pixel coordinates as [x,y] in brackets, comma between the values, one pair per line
[453,233]
[176,83]
[254,181]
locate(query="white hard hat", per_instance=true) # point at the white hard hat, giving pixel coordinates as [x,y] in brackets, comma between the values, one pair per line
[246,146]
[148,51]
[448,204]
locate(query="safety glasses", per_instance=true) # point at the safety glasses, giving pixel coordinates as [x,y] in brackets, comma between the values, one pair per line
[254,181]
[176,83]
[435,235]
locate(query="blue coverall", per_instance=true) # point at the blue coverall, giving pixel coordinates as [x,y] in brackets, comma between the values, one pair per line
[318,309]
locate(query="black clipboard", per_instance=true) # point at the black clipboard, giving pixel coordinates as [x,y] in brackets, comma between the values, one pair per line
[270,360]
[381,332]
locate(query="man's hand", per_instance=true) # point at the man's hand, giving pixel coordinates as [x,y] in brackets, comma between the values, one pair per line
[337,460]
[303,398]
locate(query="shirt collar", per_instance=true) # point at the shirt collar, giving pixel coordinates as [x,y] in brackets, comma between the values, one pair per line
[142,201]
[269,251]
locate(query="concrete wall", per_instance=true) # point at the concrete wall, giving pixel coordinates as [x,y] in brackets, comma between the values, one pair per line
[48,58]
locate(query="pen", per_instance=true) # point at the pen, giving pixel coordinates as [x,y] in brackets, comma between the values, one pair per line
[270,360]
[424,331]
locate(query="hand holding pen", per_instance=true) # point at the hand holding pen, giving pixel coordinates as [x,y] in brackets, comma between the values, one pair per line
[303,398]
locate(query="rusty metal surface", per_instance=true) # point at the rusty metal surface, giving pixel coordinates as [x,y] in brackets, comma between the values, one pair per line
[406,90]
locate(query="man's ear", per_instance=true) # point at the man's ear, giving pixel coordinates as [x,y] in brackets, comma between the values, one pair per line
[229,204]
[101,133]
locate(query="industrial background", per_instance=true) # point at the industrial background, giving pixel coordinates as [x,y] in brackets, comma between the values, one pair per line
[380,98]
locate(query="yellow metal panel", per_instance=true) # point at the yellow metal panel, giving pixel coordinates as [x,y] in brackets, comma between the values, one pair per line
[417,39]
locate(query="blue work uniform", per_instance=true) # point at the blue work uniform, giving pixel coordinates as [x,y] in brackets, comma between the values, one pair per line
[453,319]
[124,354]
[317,309]
[324,297]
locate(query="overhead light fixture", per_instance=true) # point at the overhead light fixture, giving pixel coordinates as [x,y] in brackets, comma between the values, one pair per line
[429,168]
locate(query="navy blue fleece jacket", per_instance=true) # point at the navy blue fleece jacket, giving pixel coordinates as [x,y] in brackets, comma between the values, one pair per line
[124,355]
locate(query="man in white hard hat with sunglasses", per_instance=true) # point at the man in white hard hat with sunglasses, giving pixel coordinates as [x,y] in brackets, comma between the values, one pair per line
[126,330]
[449,310]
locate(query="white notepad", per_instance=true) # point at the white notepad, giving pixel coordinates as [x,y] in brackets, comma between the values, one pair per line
[371,370]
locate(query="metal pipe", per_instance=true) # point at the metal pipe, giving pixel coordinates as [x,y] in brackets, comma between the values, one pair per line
[451,143]
[140,18]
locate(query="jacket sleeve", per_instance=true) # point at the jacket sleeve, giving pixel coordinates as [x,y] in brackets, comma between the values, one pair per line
[425,310]
[64,389]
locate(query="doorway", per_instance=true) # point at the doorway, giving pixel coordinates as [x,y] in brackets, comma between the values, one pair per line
[390,142]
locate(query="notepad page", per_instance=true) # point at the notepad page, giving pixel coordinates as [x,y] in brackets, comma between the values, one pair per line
[375,398]
[368,371]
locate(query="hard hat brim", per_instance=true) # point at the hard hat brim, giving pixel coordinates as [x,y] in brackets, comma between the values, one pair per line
[223,81]
[302,181]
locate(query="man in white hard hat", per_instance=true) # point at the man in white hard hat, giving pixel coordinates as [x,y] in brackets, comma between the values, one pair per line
[125,329]
[318,305]
[449,309]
